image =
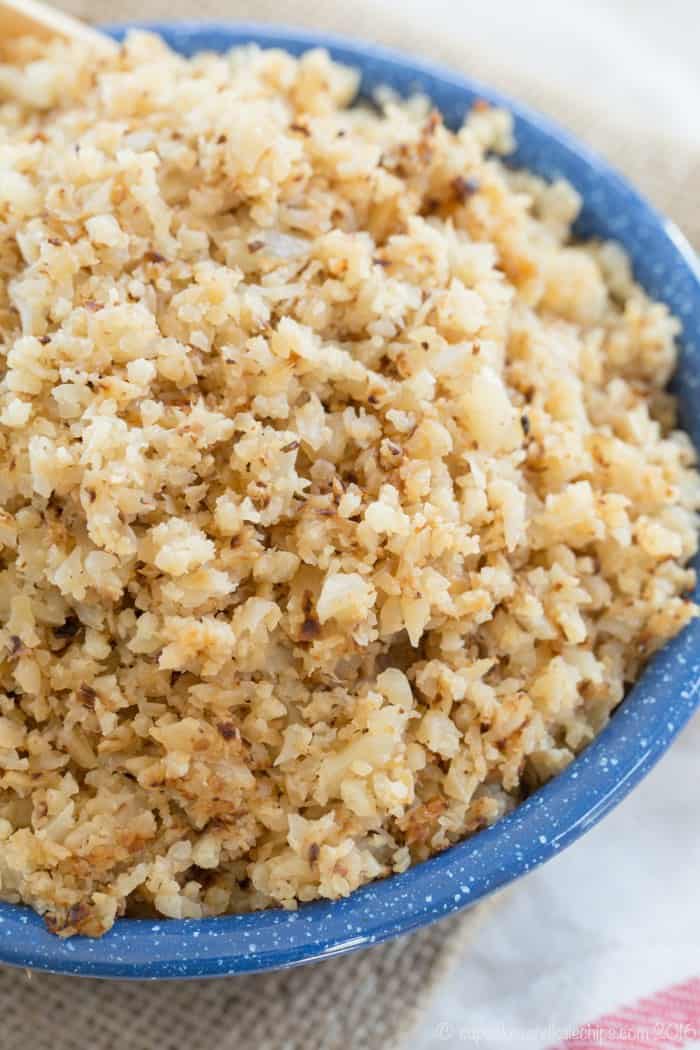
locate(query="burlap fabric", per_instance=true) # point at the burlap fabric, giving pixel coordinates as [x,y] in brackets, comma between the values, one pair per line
[369,1000]
[364,1001]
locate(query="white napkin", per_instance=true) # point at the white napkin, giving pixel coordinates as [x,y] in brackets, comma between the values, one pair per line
[614,919]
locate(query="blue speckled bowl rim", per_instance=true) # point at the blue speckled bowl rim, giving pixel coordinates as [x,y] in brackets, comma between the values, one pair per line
[639,732]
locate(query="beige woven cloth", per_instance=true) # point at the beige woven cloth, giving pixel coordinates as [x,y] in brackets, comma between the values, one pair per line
[364,1001]
[613,72]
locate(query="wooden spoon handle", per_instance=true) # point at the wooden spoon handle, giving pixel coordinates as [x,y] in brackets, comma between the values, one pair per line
[32,18]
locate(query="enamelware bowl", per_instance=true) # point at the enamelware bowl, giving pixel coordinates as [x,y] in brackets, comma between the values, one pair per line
[641,729]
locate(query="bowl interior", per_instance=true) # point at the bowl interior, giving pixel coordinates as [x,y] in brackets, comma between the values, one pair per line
[640,730]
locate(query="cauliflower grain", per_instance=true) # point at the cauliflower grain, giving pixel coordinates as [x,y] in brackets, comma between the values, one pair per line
[341,499]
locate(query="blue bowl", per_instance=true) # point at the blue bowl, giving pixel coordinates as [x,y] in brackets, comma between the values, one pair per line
[641,729]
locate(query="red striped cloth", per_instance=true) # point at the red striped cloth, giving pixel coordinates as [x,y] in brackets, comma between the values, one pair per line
[668,1020]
